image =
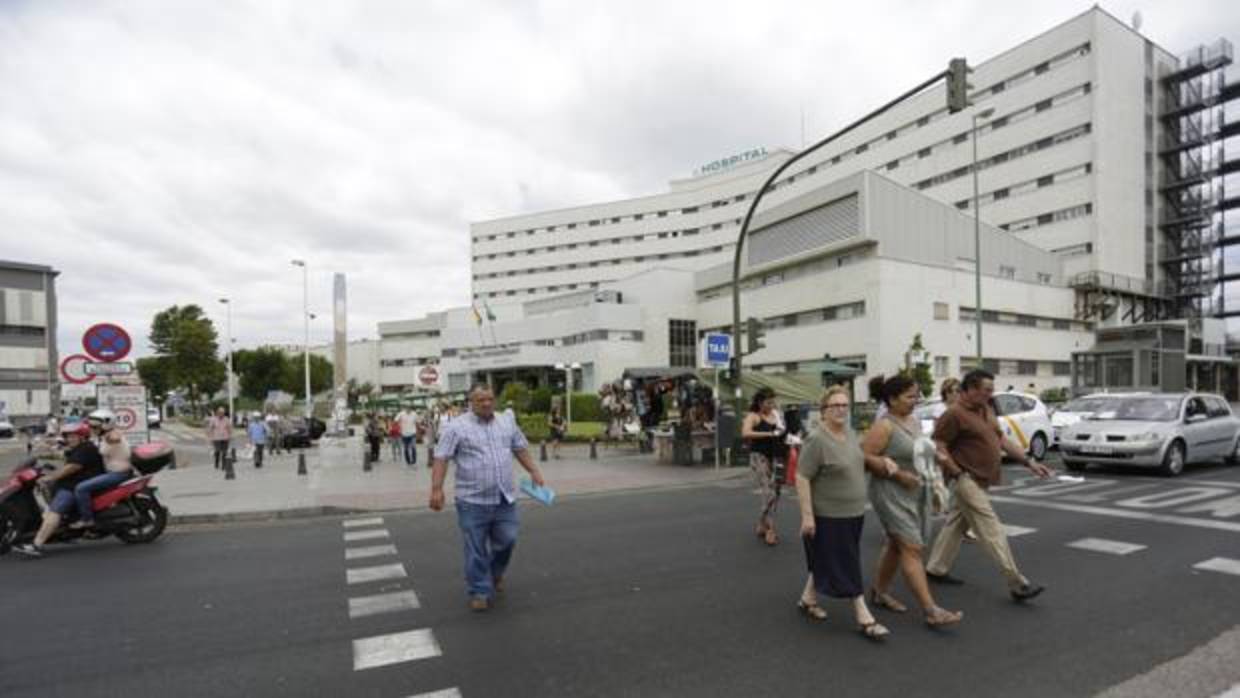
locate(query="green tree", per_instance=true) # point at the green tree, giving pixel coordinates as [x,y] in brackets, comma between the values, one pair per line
[294,382]
[260,370]
[154,373]
[187,346]
[516,393]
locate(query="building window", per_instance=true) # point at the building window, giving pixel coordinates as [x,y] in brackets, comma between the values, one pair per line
[682,343]
[1044,278]
[942,311]
[1007,272]
[1027,368]
[941,366]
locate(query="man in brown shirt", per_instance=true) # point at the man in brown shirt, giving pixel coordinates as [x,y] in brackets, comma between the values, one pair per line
[971,447]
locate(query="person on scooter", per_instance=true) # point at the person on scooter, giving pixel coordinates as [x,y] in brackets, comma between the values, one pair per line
[82,462]
[115,452]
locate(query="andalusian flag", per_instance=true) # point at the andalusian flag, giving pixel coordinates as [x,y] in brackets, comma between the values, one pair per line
[487,306]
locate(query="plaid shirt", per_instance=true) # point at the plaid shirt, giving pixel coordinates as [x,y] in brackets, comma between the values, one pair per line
[483,453]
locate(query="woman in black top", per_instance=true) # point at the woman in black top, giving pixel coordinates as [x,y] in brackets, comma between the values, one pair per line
[763,429]
[558,428]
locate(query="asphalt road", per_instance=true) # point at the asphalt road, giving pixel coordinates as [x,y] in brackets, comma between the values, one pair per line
[645,594]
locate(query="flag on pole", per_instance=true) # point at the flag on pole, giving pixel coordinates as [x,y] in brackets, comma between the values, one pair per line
[477,315]
[487,307]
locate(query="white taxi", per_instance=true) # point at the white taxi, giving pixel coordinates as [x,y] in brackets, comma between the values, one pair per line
[1024,419]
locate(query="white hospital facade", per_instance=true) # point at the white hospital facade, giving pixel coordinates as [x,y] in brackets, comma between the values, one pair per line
[1102,182]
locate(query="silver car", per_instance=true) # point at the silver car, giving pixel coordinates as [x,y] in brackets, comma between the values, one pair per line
[1161,430]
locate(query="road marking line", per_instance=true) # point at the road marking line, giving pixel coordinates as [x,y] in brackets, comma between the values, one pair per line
[383,603]
[361,575]
[357,523]
[1101,545]
[365,535]
[1013,531]
[1225,565]
[384,650]
[1121,514]
[445,693]
[369,551]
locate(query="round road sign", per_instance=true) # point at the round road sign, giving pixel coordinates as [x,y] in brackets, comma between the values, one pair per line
[73,369]
[429,375]
[107,342]
[126,418]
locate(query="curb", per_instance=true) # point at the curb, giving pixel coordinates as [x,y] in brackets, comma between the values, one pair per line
[329,511]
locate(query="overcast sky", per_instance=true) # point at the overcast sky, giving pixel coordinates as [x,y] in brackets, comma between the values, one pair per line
[166,152]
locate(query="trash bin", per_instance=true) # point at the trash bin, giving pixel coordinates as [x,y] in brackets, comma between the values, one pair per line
[682,444]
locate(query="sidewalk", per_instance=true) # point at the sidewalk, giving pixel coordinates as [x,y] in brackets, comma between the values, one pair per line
[336,483]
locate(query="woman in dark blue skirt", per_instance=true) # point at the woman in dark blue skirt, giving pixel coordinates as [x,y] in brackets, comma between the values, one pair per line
[832,494]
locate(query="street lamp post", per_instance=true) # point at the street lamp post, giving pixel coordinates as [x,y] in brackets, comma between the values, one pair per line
[232,414]
[568,390]
[977,238]
[305,315]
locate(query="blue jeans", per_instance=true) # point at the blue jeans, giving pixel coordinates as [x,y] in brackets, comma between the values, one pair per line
[87,488]
[490,534]
[411,449]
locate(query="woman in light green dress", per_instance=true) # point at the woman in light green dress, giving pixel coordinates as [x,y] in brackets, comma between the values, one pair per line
[903,500]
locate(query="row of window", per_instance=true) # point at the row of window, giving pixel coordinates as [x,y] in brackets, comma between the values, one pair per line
[834,261]
[411,361]
[1027,186]
[979,95]
[1017,367]
[999,317]
[639,259]
[662,235]
[566,341]
[1063,214]
[1000,158]
[802,318]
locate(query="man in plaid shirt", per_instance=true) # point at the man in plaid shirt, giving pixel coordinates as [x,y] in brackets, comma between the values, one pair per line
[483,445]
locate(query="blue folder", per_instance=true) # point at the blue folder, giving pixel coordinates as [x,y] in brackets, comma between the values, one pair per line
[546,495]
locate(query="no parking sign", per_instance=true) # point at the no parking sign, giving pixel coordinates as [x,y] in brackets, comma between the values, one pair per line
[107,342]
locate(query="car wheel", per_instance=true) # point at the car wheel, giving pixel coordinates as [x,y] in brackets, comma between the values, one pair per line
[1173,460]
[1075,466]
[1037,446]
[1233,458]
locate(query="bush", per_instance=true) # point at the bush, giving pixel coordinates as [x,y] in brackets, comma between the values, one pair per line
[1055,395]
[540,400]
[516,393]
[534,426]
[587,407]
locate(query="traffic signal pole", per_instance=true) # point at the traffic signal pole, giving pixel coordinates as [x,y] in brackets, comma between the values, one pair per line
[957,99]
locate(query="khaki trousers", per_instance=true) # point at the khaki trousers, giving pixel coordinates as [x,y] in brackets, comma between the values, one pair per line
[972,510]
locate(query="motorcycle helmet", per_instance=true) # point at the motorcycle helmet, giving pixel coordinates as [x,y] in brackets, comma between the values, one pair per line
[102,418]
[81,428]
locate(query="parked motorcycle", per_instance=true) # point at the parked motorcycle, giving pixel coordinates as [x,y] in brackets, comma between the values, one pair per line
[130,511]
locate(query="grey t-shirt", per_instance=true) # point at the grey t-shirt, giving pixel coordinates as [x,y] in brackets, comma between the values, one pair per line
[835,469]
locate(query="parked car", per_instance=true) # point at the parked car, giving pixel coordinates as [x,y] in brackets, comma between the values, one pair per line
[1163,430]
[7,430]
[154,419]
[301,435]
[1023,417]
[1080,408]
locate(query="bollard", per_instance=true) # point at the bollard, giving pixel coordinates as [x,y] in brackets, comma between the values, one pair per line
[229,473]
[365,460]
[542,451]
[301,464]
[593,449]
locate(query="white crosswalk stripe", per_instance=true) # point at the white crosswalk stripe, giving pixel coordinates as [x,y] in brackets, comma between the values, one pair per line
[369,551]
[361,575]
[1225,565]
[456,693]
[358,523]
[1101,545]
[1014,531]
[369,534]
[385,650]
[383,603]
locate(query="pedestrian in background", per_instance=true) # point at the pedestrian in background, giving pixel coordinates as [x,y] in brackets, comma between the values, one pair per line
[392,429]
[219,433]
[407,418]
[483,446]
[272,422]
[257,431]
[831,492]
[902,499]
[374,436]
[972,444]
[556,424]
[763,429]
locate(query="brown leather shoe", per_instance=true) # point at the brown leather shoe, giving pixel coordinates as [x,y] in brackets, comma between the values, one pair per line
[479,604]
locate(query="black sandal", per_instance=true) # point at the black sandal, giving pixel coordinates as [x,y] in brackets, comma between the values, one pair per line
[811,611]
